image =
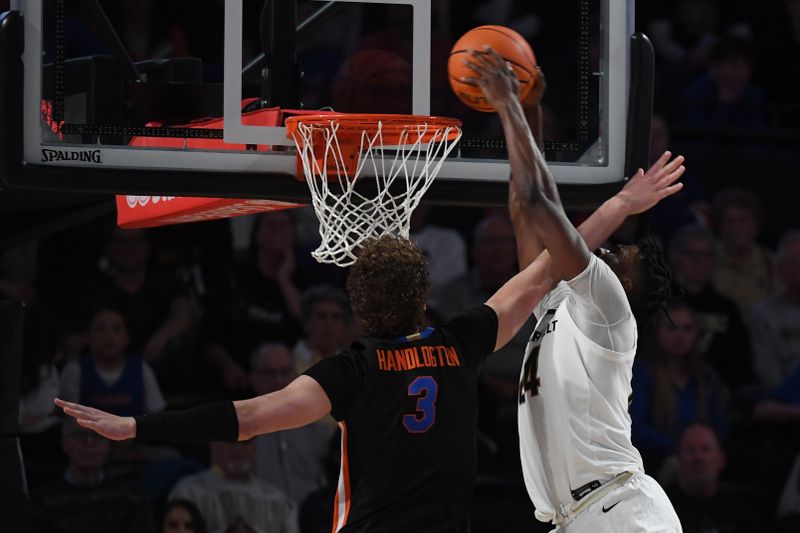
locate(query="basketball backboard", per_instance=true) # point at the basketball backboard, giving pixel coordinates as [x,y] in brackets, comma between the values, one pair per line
[172,97]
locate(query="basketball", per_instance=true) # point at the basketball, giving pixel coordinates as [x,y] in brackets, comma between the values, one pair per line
[507,43]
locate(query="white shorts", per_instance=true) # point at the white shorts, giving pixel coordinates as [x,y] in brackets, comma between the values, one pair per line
[637,506]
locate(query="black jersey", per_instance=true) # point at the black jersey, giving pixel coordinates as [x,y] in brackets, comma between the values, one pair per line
[408,412]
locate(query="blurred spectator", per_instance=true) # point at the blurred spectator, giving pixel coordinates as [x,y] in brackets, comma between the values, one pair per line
[182,516]
[781,41]
[789,502]
[326,314]
[316,510]
[157,310]
[18,273]
[775,321]
[726,96]
[39,427]
[673,386]
[494,256]
[227,492]
[743,270]
[107,377]
[702,502]
[782,405]
[290,460]
[722,333]
[776,431]
[85,500]
[444,247]
[683,31]
[263,304]
[686,207]
[39,383]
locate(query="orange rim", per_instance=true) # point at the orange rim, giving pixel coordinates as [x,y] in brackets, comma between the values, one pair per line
[392,126]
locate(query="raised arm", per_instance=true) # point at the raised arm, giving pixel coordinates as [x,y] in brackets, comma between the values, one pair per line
[536,210]
[514,301]
[533,205]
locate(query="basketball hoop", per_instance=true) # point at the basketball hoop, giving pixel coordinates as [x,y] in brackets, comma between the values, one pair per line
[403,153]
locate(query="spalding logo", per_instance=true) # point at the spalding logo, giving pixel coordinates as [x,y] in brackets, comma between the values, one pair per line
[83,156]
[142,201]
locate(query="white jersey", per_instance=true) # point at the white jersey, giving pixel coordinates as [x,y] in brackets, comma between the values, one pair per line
[574,425]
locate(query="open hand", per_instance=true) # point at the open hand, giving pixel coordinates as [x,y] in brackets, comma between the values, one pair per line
[109,426]
[494,75]
[646,189]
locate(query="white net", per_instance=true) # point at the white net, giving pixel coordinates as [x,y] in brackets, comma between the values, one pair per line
[401,159]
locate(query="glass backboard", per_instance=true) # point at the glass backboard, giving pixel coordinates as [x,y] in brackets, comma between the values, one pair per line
[179,86]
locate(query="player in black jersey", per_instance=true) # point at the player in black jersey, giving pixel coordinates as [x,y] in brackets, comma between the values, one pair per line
[405,397]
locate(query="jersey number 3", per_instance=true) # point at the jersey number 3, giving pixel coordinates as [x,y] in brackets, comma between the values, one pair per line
[426,388]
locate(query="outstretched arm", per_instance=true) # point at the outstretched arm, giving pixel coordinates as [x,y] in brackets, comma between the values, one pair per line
[301,402]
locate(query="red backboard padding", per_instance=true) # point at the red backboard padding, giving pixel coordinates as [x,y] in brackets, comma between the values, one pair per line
[149,211]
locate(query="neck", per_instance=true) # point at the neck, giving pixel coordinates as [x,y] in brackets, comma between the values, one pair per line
[130,281]
[83,477]
[108,363]
[700,489]
[324,350]
[677,370]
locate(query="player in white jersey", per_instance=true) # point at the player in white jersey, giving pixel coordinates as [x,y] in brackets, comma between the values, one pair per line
[580,468]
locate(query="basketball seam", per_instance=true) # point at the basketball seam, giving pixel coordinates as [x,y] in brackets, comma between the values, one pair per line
[512,38]
[521,67]
[521,82]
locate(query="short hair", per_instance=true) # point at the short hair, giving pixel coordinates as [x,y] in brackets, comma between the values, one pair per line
[197,517]
[388,286]
[703,425]
[685,234]
[323,293]
[730,47]
[98,307]
[269,345]
[735,197]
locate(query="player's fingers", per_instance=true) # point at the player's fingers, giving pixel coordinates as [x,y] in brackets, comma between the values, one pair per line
[69,406]
[671,177]
[661,161]
[510,68]
[674,175]
[672,189]
[475,67]
[470,81]
[88,424]
[672,165]
[76,413]
[492,53]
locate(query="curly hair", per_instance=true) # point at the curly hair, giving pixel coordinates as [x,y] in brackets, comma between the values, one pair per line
[389,286]
[658,285]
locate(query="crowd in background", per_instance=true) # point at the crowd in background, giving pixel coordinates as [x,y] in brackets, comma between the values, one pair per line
[138,321]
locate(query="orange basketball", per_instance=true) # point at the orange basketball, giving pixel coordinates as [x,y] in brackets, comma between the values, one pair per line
[509,44]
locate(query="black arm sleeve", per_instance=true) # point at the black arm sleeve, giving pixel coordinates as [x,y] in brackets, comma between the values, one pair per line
[477,330]
[212,422]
